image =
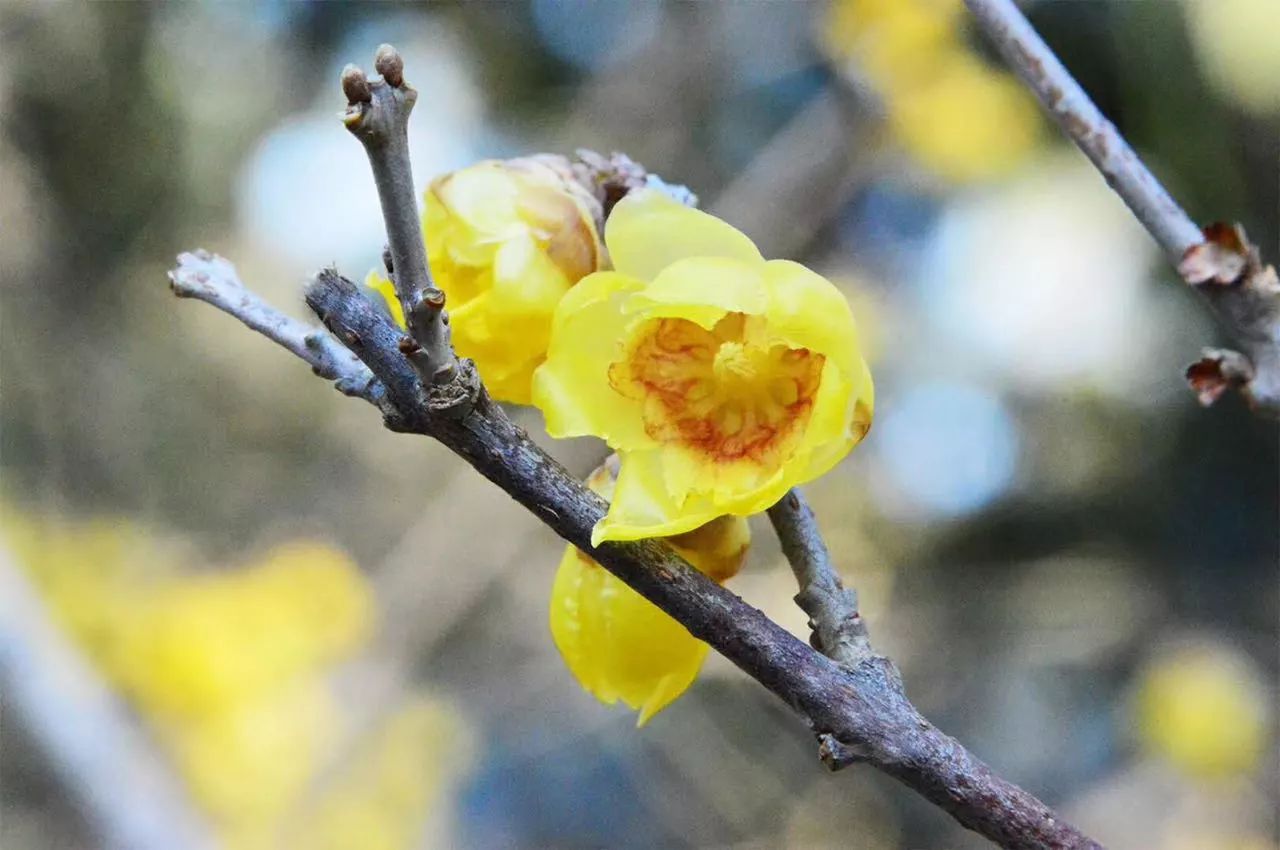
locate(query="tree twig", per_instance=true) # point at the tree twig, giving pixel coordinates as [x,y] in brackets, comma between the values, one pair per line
[213,279]
[838,629]
[110,766]
[859,714]
[1217,261]
[378,115]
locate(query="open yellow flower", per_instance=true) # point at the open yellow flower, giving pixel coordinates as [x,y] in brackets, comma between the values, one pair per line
[505,240]
[721,379]
[619,645]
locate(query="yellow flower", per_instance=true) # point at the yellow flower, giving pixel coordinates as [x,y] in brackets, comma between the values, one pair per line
[721,379]
[505,240]
[1205,709]
[958,116]
[967,123]
[619,645]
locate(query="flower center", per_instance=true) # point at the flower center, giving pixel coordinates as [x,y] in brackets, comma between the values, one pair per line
[727,392]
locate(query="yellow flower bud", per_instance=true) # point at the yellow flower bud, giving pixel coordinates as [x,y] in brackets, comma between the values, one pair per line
[619,645]
[505,241]
[721,379]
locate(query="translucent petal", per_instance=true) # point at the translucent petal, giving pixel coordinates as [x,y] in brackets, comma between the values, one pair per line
[807,311]
[702,290]
[572,387]
[617,644]
[648,231]
[643,505]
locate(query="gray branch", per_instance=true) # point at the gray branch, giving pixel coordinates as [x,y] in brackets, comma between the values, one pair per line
[107,762]
[838,629]
[213,279]
[1218,261]
[378,115]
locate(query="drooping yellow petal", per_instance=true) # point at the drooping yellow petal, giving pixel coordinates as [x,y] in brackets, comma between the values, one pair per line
[621,646]
[643,505]
[572,387]
[617,644]
[805,310]
[648,231]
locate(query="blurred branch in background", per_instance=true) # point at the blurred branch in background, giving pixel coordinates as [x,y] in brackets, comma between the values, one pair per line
[1220,263]
[127,789]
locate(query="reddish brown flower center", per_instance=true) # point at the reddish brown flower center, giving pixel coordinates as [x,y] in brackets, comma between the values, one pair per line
[726,391]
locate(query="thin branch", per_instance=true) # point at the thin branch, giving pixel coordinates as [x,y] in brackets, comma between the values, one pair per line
[1082,121]
[213,279]
[838,629]
[1219,261]
[862,709]
[111,768]
[378,115]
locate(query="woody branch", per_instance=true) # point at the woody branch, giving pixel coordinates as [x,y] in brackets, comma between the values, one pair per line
[1219,262]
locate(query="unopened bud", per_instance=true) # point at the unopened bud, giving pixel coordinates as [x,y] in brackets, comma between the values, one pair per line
[388,63]
[355,85]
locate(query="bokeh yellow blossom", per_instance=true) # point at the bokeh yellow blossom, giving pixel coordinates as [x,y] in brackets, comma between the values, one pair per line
[960,117]
[619,645]
[1204,708]
[229,668]
[382,799]
[505,241]
[720,379]
[1235,42]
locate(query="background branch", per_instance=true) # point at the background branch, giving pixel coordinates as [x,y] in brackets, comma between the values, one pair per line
[1219,261]
[106,761]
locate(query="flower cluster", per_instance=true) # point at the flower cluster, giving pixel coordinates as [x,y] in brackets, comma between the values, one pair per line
[960,117]
[719,378]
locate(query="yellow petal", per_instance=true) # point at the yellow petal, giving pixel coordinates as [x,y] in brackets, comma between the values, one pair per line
[572,387]
[643,505]
[483,196]
[616,643]
[648,231]
[384,287]
[718,549]
[807,311]
[702,290]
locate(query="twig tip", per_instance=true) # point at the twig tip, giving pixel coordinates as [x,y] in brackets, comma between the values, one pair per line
[388,63]
[355,85]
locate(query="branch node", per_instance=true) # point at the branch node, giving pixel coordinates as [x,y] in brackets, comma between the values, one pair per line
[836,754]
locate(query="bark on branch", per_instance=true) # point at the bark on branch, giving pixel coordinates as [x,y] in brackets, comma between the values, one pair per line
[1218,261]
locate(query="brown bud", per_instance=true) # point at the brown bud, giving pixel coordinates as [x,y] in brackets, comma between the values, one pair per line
[388,63]
[355,85]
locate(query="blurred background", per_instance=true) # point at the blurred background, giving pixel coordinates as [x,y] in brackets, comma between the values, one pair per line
[235,612]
